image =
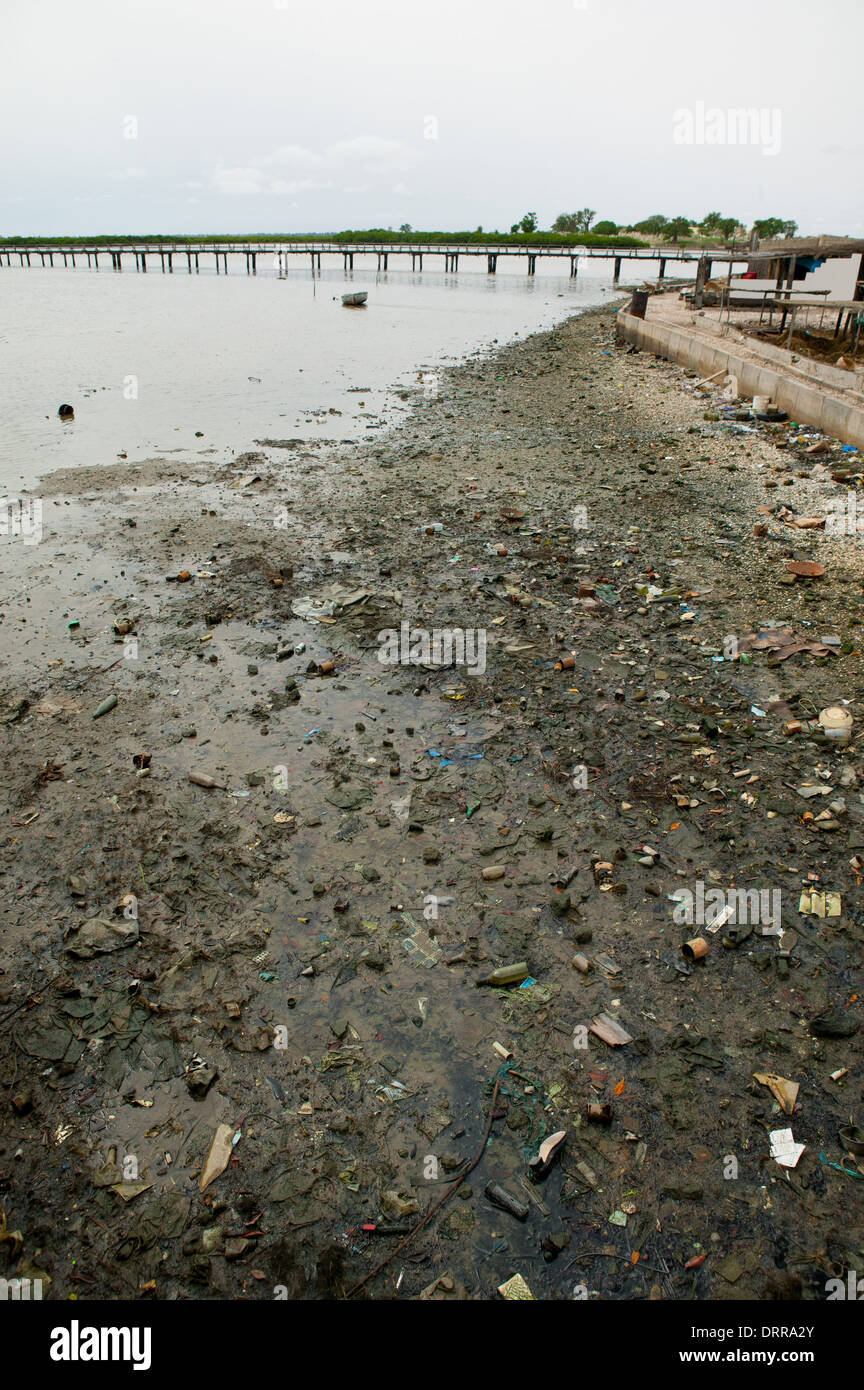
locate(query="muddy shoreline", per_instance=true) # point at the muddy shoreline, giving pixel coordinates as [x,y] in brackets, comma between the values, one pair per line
[293,952]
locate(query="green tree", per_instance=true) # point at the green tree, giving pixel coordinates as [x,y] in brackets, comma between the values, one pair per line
[406,227]
[711,221]
[770,227]
[574,221]
[789,228]
[652,226]
[676,227]
[527,225]
[605,228]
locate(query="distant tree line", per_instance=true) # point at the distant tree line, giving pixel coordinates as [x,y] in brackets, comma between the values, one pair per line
[574,228]
[374,235]
[673,229]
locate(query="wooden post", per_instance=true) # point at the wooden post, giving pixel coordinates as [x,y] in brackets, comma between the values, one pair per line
[491,264]
[574,267]
[144,262]
[662,271]
[532,261]
[254,262]
[699,287]
[189,262]
[787,300]
[616,275]
[196,262]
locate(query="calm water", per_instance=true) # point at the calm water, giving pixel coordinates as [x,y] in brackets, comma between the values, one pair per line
[148,360]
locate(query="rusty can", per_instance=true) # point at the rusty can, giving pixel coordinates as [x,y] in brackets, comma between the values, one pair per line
[695,949]
[599,1112]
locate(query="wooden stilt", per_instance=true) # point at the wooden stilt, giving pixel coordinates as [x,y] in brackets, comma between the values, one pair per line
[699,286]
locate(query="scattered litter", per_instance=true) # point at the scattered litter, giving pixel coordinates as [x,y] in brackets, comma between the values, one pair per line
[784,1148]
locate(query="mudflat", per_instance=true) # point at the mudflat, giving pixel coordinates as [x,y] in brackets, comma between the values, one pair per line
[263,982]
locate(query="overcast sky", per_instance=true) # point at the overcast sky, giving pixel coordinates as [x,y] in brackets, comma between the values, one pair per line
[313,115]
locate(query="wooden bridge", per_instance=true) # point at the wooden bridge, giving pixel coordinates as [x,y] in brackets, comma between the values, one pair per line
[50,253]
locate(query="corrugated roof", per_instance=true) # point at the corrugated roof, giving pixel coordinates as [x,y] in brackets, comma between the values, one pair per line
[827,246]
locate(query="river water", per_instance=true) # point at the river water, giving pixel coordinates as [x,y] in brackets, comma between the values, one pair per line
[148,361]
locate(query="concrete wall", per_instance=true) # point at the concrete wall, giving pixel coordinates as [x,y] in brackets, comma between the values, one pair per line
[809,403]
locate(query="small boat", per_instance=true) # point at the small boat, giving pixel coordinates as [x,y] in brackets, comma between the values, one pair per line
[353,301]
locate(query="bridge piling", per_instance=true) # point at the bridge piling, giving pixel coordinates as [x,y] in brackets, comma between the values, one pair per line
[616,276]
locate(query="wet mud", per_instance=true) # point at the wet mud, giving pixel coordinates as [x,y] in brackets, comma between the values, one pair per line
[289,947]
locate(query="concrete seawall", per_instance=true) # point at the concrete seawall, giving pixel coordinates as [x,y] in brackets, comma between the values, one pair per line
[809,402]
